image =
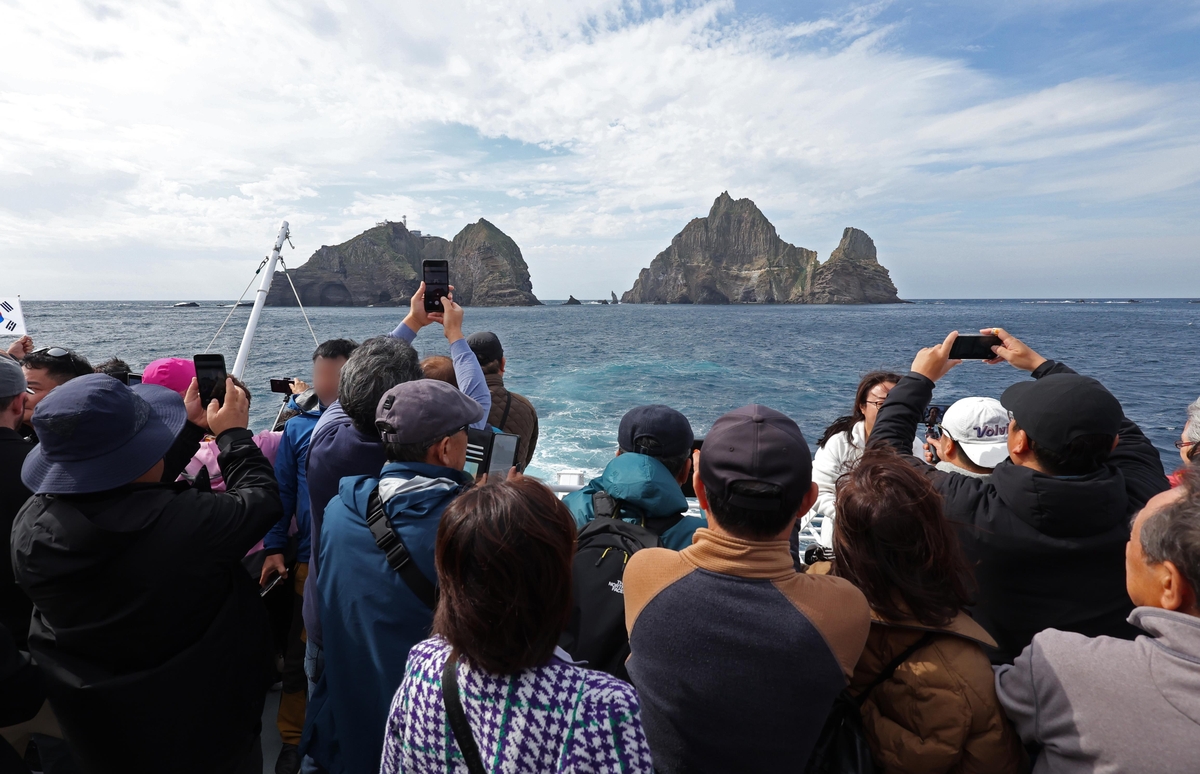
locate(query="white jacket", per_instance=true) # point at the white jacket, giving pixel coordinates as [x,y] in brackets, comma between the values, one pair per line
[836,457]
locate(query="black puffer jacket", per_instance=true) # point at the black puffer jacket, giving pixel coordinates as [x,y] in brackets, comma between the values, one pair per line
[1048,552]
[151,636]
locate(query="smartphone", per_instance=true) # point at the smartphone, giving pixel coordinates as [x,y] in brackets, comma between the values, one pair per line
[436,274]
[270,585]
[974,346]
[134,379]
[283,386]
[210,372]
[933,418]
[688,489]
[504,454]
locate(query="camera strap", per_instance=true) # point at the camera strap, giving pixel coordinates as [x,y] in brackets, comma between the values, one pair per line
[398,557]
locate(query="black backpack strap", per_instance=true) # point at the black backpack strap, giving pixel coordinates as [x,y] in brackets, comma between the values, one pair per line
[398,557]
[892,666]
[507,406]
[458,717]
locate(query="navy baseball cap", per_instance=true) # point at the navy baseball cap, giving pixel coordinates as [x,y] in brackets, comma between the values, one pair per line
[756,445]
[424,410]
[486,346]
[96,434]
[1059,408]
[656,431]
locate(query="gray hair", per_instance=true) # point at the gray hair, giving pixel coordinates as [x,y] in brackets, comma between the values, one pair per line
[1193,421]
[377,366]
[1173,533]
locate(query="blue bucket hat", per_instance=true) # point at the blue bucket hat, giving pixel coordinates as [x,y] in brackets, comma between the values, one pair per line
[97,434]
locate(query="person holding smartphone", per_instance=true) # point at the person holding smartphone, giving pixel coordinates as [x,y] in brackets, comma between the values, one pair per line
[152,598]
[1046,532]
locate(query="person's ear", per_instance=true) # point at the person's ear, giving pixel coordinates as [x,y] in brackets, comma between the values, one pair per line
[685,472]
[809,499]
[503,365]
[1177,593]
[1116,440]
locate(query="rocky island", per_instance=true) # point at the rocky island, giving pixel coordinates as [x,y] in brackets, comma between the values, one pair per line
[734,256]
[382,267]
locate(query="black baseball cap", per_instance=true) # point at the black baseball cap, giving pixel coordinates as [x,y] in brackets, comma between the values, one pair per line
[1059,408]
[656,431]
[486,346]
[756,444]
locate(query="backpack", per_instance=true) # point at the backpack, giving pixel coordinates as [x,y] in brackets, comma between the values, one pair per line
[842,747]
[596,631]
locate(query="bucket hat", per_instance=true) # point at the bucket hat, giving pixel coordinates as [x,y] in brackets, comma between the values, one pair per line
[97,434]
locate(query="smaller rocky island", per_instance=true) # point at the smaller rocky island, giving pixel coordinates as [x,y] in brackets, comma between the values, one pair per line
[382,267]
[734,256]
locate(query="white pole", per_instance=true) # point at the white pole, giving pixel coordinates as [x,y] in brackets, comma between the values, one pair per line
[260,299]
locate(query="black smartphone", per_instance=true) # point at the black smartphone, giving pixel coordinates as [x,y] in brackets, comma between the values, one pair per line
[436,274]
[974,346]
[133,379]
[504,454]
[271,584]
[688,489]
[210,372]
[283,386]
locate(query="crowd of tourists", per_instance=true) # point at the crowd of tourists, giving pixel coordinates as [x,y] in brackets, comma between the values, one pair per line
[1006,584]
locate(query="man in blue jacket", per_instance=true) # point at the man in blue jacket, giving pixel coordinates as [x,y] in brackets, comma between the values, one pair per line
[653,460]
[291,463]
[376,586]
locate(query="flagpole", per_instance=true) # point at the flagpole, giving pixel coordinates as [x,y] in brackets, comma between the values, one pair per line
[260,298]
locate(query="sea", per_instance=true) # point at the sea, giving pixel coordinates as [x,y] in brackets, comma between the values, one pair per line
[584,366]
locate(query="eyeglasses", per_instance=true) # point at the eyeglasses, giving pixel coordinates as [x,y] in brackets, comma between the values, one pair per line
[878,404]
[58,352]
[1185,444]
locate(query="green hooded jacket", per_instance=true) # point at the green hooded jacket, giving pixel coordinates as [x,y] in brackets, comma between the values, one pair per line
[645,489]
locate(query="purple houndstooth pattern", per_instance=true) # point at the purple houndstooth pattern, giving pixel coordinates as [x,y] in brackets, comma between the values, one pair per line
[555,718]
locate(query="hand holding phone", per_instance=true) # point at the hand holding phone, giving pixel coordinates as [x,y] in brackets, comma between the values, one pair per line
[435,273]
[282,386]
[974,346]
[210,372]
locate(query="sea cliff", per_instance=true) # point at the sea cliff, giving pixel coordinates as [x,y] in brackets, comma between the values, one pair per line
[382,267]
[735,256]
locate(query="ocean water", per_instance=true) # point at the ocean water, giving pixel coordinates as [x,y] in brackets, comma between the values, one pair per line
[584,366]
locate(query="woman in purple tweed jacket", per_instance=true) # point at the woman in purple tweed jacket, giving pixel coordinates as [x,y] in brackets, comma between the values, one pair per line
[504,554]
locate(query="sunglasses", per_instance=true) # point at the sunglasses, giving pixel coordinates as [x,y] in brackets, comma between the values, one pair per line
[57,352]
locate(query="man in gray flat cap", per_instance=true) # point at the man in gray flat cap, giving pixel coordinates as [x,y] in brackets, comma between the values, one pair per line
[376,587]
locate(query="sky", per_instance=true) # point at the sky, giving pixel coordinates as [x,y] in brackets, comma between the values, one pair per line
[1048,148]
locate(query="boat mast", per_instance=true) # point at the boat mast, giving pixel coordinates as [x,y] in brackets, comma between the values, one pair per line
[260,298]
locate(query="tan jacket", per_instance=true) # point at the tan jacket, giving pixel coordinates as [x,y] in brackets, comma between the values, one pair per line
[522,417]
[939,711]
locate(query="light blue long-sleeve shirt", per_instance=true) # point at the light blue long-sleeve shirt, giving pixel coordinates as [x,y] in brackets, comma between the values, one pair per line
[471,381]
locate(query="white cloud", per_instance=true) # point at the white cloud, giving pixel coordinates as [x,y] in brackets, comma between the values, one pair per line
[587,130]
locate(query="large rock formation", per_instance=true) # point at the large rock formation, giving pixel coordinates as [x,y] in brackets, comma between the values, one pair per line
[734,256]
[852,275]
[382,267]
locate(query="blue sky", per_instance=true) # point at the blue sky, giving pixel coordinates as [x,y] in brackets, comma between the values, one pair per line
[1023,149]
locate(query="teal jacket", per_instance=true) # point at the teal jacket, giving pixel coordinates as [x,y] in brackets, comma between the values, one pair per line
[645,489]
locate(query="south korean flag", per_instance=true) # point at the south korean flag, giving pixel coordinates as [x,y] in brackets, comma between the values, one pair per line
[12,322]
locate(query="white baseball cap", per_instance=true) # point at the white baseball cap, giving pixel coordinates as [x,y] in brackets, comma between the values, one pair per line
[980,428]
